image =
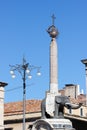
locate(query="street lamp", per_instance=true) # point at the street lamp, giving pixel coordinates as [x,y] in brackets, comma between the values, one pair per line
[84,61]
[25,71]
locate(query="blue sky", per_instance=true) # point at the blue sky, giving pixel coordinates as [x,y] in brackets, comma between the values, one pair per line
[23,26]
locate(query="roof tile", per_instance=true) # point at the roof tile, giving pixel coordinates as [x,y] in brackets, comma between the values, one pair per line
[17,107]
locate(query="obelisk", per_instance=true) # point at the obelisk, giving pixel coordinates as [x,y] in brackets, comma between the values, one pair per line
[53,32]
[53,86]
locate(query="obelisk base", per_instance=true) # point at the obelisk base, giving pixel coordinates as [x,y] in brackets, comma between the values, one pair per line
[50,102]
[52,124]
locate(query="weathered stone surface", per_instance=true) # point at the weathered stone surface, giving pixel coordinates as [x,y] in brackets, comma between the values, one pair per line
[50,103]
[53,67]
[52,124]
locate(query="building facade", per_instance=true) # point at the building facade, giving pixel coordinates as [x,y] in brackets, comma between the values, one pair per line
[13,114]
[2,85]
[71,90]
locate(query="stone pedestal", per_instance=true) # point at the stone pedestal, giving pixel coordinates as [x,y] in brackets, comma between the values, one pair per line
[52,124]
[50,102]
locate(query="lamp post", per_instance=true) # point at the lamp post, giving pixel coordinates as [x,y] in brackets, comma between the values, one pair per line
[25,71]
[84,61]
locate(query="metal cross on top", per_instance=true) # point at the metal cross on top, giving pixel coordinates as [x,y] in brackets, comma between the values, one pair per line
[53,18]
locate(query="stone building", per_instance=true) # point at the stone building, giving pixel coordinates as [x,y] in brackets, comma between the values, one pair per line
[71,90]
[13,114]
[2,85]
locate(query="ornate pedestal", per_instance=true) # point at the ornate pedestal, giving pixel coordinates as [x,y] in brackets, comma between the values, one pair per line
[52,124]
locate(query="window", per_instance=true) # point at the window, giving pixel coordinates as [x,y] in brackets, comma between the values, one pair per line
[81,112]
[70,111]
[8,128]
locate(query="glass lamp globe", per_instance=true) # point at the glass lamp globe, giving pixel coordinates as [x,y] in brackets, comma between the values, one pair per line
[38,73]
[27,71]
[13,76]
[29,76]
[11,72]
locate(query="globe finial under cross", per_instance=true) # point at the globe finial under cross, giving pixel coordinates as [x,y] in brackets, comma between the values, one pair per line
[52,30]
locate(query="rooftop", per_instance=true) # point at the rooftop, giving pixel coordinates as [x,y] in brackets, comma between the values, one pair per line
[13,108]
[33,105]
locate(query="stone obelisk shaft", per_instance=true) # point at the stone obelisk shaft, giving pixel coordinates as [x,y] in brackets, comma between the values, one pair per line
[53,67]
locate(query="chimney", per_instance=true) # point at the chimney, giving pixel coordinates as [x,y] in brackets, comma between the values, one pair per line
[82,91]
[2,85]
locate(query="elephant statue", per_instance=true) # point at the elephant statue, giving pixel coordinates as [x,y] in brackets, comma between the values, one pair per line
[60,103]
